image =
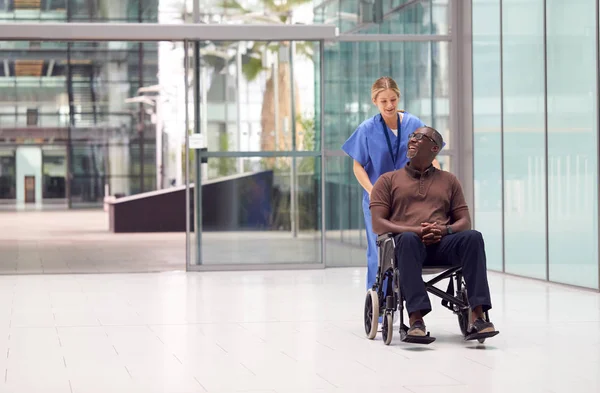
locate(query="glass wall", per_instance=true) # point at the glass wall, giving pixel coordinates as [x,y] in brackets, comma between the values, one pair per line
[70,97]
[128,11]
[524,137]
[421,70]
[572,142]
[536,141]
[487,126]
[73,102]
[384,16]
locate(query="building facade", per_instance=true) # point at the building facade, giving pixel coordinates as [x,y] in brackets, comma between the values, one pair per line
[68,134]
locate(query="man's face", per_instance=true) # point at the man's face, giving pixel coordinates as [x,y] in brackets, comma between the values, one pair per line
[421,144]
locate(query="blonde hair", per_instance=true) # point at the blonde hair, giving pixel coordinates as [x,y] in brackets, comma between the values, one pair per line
[382,84]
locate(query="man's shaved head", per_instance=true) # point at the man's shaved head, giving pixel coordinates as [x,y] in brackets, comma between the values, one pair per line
[435,135]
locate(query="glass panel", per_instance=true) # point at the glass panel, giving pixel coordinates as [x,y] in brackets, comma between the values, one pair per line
[269,214]
[419,68]
[572,143]
[524,135]
[487,123]
[421,71]
[78,119]
[345,235]
[81,103]
[445,162]
[8,182]
[424,17]
[245,108]
[54,169]
[129,11]
[384,16]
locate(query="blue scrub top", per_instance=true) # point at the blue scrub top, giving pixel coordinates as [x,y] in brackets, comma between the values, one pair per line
[368,145]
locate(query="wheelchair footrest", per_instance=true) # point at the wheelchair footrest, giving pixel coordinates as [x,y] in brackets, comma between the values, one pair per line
[480,336]
[405,337]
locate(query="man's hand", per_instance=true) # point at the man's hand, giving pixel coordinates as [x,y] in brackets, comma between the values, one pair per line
[431,233]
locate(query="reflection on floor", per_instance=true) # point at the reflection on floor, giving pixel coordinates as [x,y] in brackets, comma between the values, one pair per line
[280,332]
[78,241]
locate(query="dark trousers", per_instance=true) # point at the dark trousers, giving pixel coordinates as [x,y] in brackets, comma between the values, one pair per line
[464,249]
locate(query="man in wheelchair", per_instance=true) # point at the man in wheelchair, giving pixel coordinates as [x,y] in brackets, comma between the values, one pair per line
[425,209]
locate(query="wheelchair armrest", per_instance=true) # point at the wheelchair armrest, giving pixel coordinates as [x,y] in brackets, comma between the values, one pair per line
[383,237]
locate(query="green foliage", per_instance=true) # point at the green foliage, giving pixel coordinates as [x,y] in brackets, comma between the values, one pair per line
[224,166]
[252,68]
[232,5]
[307,165]
[283,6]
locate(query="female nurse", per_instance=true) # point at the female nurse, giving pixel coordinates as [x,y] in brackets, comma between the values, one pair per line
[377,146]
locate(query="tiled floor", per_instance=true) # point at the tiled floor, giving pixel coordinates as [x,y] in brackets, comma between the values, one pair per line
[79,241]
[285,332]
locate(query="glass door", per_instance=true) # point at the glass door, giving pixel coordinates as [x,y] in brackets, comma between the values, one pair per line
[258,156]
[54,171]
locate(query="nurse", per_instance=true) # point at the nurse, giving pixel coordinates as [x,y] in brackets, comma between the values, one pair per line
[377,146]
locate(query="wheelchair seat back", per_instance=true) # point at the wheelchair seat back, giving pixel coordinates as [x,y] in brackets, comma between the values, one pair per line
[387,254]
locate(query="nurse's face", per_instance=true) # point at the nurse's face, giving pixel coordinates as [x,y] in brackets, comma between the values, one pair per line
[387,103]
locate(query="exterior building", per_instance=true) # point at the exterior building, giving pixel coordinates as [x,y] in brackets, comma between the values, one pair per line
[67,132]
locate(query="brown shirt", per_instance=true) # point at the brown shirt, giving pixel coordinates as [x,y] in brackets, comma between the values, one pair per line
[413,197]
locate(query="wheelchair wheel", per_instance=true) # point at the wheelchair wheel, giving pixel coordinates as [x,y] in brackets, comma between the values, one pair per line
[387,330]
[371,314]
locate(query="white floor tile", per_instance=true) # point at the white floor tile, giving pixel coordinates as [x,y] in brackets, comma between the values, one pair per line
[279,332]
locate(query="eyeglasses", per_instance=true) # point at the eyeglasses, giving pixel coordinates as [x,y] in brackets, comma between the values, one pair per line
[419,136]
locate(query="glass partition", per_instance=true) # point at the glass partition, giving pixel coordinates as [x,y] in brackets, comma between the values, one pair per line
[421,70]
[536,137]
[77,11]
[487,129]
[74,103]
[572,144]
[385,16]
[259,164]
[84,124]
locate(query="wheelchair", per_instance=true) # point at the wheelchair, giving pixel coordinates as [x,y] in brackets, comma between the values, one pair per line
[386,301]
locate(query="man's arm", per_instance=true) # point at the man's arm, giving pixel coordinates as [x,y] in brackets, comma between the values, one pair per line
[459,211]
[382,225]
[381,207]
[461,222]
